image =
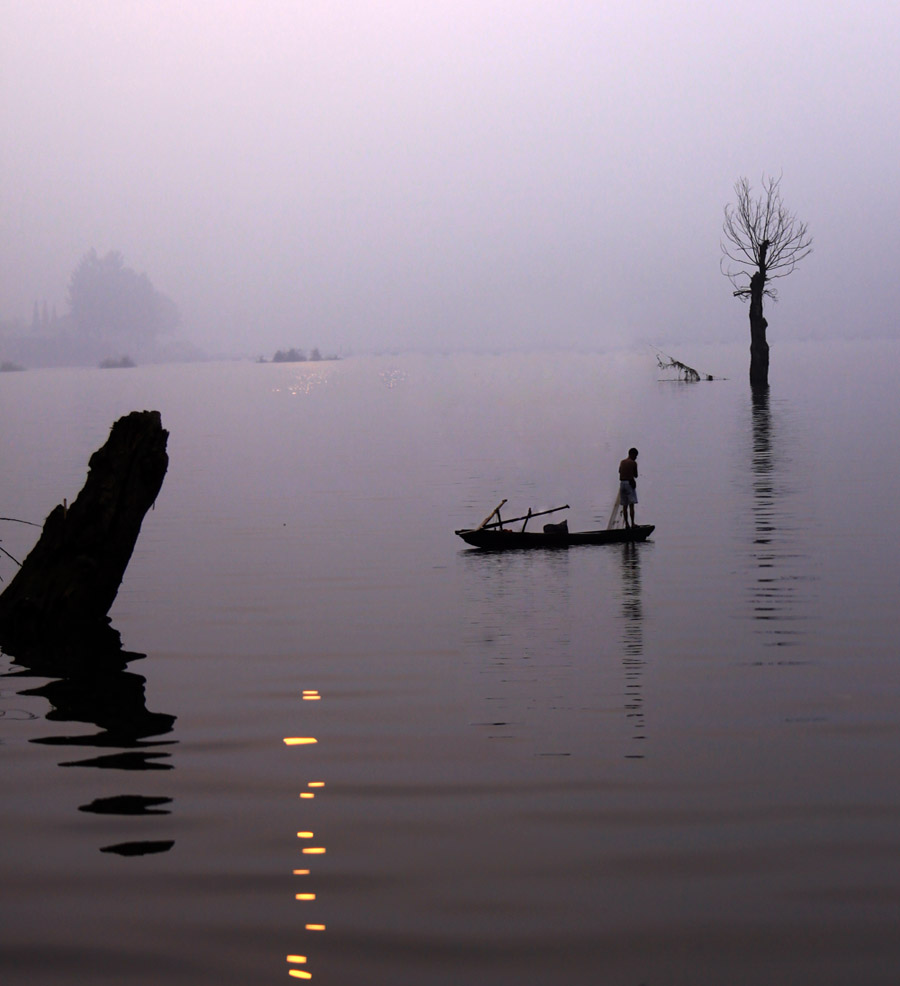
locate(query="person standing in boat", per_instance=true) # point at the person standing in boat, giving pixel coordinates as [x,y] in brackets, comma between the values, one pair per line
[628,472]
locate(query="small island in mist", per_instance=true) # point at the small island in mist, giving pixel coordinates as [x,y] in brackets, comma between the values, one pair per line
[295,355]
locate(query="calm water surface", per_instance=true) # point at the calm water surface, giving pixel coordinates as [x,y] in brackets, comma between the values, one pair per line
[667,763]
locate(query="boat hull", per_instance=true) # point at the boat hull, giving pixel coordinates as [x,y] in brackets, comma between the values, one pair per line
[497,540]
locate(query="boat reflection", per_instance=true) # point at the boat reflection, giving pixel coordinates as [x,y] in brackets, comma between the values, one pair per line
[89,684]
[509,592]
[519,641]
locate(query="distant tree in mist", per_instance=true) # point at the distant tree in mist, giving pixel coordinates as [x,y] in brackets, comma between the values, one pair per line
[763,241]
[109,301]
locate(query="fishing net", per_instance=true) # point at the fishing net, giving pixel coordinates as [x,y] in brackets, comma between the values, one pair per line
[615,516]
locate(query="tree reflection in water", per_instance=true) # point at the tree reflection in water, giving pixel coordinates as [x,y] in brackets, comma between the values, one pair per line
[89,684]
[774,550]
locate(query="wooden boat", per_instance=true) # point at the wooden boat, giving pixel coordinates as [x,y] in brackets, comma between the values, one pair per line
[503,540]
[493,536]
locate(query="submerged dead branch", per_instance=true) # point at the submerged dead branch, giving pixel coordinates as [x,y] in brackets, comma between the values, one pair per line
[686,373]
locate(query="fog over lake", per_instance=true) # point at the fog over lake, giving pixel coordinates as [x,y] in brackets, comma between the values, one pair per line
[483,175]
[672,762]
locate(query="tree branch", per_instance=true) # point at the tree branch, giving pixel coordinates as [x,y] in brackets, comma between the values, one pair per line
[761,235]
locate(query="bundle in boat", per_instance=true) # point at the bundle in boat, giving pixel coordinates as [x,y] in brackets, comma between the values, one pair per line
[558,529]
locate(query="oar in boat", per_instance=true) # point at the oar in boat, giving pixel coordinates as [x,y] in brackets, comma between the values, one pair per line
[496,511]
[525,517]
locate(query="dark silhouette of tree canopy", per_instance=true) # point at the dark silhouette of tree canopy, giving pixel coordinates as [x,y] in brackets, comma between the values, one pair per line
[110,301]
[289,356]
[762,241]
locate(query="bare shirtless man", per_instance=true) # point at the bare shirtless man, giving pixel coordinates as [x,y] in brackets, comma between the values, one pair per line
[628,485]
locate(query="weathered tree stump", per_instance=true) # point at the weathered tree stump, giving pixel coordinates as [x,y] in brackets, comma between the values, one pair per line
[69,580]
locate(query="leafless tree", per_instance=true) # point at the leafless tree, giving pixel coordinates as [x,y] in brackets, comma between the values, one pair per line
[762,241]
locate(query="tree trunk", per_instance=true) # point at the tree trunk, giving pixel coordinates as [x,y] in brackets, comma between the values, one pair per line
[69,580]
[759,348]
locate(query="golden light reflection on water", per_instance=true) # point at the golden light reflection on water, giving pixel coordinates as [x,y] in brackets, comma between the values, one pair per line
[306,380]
[393,378]
[306,896]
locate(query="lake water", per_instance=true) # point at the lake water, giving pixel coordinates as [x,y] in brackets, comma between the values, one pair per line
[669,763]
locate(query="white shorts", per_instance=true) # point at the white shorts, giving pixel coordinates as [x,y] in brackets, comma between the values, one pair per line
[627,493]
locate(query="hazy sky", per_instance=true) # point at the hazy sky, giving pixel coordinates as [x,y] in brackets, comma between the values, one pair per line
[445,173]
